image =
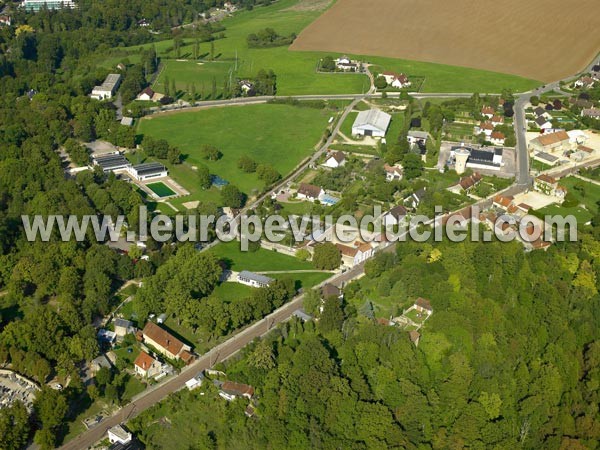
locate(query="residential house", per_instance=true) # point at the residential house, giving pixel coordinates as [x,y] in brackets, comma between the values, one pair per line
[551,142]
[486,128]
[423,306]
[165,343]
[415,137]
[466,183]
[359,252]
[414,200]
[253,279]
[302,315]
[146,366]
[310,192]
[543,123]
[497,120]
[119,435]
[497,138]
[123,327]
[396,80]
[393,173]
[335,160]
[98,363]
[372,122]
[345,64]
[146,95]
[395,216]
[247,87]
[329,290]
[502,201]
[230,390]
[488,112]
[594,113]
[585,82]
[5,20]
[549,185]
[195,382]
[581,102]
[539,111]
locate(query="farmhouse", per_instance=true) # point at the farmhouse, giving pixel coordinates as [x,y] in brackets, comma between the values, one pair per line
[146,171]
[335,160]
[253,279]
[551,142]
[110,163]
[395,216]
[373,122]
[166,343]
[393,173]
[310,192]
[594,113]
[108,88]
[146,366]
[351,256]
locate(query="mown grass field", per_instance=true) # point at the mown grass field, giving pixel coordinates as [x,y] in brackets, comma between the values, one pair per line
[296,70]
[588,196]
[279,135]
[258,261]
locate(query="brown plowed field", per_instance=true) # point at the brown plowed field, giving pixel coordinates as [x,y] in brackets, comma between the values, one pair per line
[540,39]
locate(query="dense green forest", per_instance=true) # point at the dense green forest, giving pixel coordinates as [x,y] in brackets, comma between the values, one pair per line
[509,359]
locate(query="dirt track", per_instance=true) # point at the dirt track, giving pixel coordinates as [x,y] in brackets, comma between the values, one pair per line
[540,39]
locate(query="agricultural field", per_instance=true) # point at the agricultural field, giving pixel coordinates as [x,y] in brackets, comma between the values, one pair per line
[296,70]
[459,34]
[272,131]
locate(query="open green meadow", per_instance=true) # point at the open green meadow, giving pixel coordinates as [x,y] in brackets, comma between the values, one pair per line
[585,193]
[258,261]
[296,71]
[279,135]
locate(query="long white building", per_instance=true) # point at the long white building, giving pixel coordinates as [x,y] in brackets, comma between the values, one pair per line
[36,5]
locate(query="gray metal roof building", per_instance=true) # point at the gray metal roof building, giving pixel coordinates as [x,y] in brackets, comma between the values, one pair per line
[373,122]
[109,163]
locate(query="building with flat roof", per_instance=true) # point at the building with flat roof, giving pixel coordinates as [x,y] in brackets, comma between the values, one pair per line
[146,171]
[253,279]
[118,434]
[108,88]
[372,122]
[110,163]
[37,5]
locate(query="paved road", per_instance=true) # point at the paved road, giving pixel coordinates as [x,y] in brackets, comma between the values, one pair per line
[520,124]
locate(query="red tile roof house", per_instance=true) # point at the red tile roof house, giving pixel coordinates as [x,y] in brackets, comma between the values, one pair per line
[146,366]
[488,111]
[165,343]
[497,138]
[351,256]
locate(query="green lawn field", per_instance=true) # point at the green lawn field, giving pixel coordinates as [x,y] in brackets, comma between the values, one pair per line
[296,71]
[279,135]
[258,261]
